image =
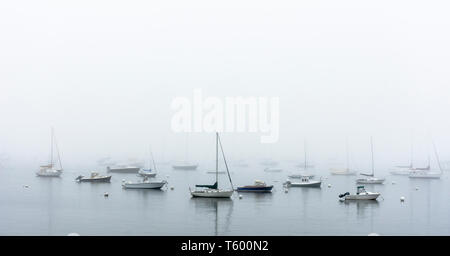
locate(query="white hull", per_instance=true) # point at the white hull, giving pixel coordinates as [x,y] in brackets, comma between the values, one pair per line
[299,176]
[425,175]
[212,193]
[49,173]
[310,184]
[144,185]
[370,196]
[124,169]
[147,174]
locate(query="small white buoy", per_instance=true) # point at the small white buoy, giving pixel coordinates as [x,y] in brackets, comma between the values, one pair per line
[286,191]
[106,194]
[373,234]
[402,199]
[329,185]
[342,199]
[417,188]
[172,188]
[240,196]
[73,234]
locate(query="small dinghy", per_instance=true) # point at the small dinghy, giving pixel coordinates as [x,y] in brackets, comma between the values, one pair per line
[361,194]
[304,182]
[259,186]
[95,177]
[144,184]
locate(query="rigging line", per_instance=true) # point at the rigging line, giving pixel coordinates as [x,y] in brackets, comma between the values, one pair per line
[153,159]
[59,157]
[226,165]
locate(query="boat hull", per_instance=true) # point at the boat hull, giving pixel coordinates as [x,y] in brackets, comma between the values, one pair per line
[255,189]
[312,184]
[373,196]
[144,185]
[124,170]
[53,173]
[213,193]
[101,179]
[185,167]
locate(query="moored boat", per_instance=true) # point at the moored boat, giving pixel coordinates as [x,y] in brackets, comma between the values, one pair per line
[361,194]
[95,177]
[144,184]
[304,182]
[259,186]
[50,170]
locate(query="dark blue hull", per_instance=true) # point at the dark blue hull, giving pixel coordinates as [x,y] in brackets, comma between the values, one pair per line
[255,189]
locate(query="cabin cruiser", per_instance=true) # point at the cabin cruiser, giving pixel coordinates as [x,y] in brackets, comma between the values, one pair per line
[259,186]
[304,182]
[144,184]
[95,177]
[361,194]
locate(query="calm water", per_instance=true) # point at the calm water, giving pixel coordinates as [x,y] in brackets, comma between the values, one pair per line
[59,206]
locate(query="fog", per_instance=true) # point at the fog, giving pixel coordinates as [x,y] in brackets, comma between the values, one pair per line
[104,74]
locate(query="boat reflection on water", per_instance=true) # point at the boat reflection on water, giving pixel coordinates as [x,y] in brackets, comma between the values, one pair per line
[215,208]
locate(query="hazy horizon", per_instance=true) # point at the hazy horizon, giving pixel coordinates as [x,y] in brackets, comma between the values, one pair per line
[104,74]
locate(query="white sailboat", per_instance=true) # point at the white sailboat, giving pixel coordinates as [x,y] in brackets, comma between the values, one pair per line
[185,165]
[371,179]
[427,173]
[347,170]
[149,172]
[213,190]
[306,166]
[50,170]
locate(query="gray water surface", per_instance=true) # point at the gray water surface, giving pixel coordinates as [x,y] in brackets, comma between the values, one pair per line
[59,206]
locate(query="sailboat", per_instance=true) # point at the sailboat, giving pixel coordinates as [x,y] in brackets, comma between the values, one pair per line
[213,190]
[426,173]
[404,170]
[50,170]
[371,179]
[304,174]
[185,165]
[347,170]
[149,172]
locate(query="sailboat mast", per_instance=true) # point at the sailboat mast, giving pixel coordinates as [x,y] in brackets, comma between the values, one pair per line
[225,160]
[153,159]
[51,148]
[346,149]
[217,158]
[304,148]
[371,146]
[437,156]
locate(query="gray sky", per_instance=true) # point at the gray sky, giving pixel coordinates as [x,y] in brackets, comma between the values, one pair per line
[104,73]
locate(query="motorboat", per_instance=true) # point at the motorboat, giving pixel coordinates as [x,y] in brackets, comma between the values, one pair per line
[213,191]
[144,184]
[304,182]
[259,186]
[123,169]
[361,194]
[95,177]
